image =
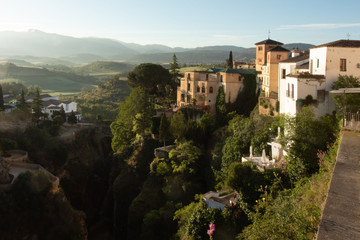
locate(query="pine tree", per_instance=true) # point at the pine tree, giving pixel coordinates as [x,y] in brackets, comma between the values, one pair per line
[175,70]
[22,104]
[229,61]
[37,105]
[72,118]
[2,108]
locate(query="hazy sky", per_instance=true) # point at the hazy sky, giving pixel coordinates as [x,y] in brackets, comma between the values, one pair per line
[188,23]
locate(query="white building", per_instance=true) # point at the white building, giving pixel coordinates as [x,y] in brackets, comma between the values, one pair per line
[311,86]
[52,106]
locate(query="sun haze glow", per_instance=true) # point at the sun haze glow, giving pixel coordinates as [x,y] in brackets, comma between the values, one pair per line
[187,23]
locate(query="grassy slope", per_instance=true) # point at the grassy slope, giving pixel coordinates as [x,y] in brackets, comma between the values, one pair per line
[52,84]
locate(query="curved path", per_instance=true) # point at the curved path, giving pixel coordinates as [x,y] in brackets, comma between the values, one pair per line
[341,215]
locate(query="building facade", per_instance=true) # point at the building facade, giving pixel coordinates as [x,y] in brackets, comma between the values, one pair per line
[201,88]
[311,86]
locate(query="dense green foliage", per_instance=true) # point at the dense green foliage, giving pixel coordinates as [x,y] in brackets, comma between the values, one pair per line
[247,98]
[164,129]
[350,101]
[294,213]
[134,117]
[102,101]
[220,106]
[151,77]
[308,136]
[13,88]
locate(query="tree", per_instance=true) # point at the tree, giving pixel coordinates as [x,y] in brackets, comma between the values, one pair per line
[350,101]
[177,125]
[72,118]
[246,179]
[134,117]
[229,61]
[238,143]
[164,129]
[308,136]
[184,158]
[174,70]
[37,105]
[21,103]
[2,108]
[151,77]
[220,106]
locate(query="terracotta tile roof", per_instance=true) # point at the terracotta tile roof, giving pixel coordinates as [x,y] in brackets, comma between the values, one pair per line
[269,41]
[341,43]
[296,59]
[278,49]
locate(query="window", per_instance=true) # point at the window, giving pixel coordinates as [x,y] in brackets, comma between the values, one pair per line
[239,78]
[292,90]
[260,48]
[203,89]
[211,90]
[207,76]
[188,98]
[342,65]
[221,78]
[278,57]
[188,76]
[197,89]
[183,97]
[188,87]
[317,63]
[283,73]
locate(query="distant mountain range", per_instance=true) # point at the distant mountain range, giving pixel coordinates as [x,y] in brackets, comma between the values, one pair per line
[39,48]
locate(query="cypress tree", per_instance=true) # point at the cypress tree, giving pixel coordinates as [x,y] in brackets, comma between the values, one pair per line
[220,107]
[164,129]
[229,61]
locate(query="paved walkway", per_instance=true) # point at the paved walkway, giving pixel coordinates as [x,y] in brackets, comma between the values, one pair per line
[341,215]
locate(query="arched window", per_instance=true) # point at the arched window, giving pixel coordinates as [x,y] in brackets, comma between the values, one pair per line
[211,90]
[197,89]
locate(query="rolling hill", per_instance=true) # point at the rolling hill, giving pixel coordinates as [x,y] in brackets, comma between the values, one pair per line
[40,48]
[50,81]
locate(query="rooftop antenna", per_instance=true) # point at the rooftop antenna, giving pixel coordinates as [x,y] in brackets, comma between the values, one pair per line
[269,34]
[348,36]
